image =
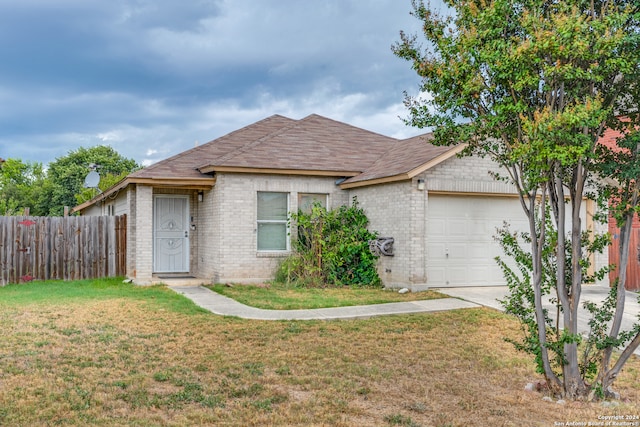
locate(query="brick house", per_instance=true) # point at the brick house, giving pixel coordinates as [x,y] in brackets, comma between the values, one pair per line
[219,211]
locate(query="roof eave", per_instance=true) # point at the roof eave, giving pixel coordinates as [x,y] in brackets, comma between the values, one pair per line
[187,183]
[275,171]
[375,181]
[408,175]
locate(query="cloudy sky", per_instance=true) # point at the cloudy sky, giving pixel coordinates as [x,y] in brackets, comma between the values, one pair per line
[152,77]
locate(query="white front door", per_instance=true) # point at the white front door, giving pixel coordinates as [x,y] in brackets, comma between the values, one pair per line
[171,234]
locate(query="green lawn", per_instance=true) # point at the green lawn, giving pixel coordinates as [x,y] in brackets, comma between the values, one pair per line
[284,297]
[59,292]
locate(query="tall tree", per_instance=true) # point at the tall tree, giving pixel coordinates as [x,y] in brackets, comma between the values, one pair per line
[533,84]
[20,186]
[66,174]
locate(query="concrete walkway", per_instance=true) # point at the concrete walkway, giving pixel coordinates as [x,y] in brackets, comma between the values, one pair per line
[224,306]
[467,297]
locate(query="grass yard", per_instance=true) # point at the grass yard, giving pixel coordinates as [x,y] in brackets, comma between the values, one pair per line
[282,297]
[107,353]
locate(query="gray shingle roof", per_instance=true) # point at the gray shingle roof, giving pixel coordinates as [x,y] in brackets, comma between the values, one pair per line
[313,143]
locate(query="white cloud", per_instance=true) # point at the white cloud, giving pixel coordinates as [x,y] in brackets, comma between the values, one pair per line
[109,137]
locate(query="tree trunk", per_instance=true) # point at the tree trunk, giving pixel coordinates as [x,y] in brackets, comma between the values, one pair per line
[569,293]
[623,244]
[537,244]
[574,383]
[612,374]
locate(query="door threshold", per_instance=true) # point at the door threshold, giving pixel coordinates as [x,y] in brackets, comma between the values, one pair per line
[174,276]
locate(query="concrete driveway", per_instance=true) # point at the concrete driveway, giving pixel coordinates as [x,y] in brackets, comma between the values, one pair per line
[489,296]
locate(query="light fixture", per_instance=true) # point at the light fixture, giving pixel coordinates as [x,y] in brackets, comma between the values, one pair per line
[420,184]
[200,196]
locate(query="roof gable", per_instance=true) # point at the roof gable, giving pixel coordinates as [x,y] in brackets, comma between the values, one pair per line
[404,160]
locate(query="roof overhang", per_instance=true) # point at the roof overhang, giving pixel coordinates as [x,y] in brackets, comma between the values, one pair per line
[274,171]
[407,175]
[181,183]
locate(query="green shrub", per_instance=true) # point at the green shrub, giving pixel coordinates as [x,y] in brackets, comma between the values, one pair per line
[332,248]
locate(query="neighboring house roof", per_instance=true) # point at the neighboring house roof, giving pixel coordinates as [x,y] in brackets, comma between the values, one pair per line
[314,145]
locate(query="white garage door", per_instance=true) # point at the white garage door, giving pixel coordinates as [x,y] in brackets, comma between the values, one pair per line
[460,238]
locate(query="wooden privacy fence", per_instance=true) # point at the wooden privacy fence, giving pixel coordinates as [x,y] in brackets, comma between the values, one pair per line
[67,248]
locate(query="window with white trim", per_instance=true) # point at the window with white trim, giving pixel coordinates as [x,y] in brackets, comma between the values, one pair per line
[272,226]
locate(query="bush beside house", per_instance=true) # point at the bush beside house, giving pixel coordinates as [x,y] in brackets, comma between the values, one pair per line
[332,249]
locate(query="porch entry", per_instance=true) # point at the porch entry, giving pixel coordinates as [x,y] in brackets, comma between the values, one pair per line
[170,234]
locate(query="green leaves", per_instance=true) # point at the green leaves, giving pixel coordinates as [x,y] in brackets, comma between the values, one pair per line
[67,174]
[533,84]
[47,192]
[20,186]
[493,64]
[332,249]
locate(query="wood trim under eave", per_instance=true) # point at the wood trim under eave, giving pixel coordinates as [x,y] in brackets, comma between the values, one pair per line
[385,180]
[469,193]
[306,172]
[186,183]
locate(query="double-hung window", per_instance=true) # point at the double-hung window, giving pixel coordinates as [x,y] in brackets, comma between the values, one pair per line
[272,221]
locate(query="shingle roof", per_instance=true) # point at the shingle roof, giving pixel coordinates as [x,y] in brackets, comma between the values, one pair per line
[314,143]
[403,158]
[185,164]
